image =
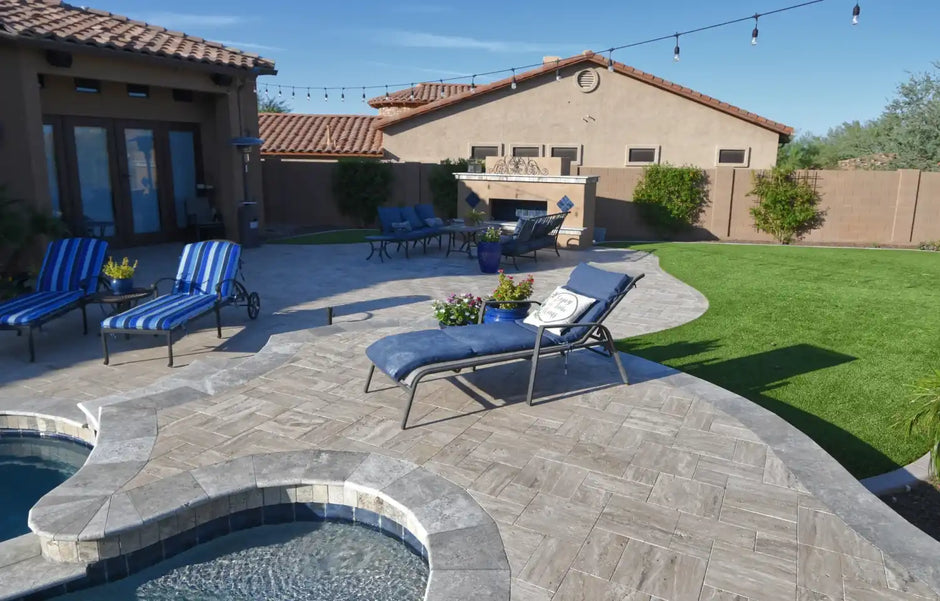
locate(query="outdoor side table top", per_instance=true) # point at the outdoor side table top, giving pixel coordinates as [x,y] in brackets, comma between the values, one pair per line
[468,234]
[121,302]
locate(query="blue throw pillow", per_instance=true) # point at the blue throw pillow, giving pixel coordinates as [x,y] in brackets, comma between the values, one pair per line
[408,214]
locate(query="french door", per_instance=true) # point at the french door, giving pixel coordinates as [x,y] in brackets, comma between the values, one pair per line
[128,181]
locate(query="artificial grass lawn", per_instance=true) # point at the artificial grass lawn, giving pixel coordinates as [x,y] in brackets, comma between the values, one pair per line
[829,339]
[335,237]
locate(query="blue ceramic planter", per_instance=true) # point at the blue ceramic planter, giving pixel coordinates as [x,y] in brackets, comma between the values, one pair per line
[496,314]
[122,285]
[488,254]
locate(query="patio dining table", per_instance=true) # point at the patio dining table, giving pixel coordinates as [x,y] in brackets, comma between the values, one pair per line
[467,234]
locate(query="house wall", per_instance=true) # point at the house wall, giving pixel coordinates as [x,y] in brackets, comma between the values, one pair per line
[898,208]
[220,112]
[621,111]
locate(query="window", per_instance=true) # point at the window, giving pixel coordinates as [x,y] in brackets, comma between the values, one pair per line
[565,152]
[526,151]
[736,157]
[481,152]
[138,91]
[642,155]
[87,86]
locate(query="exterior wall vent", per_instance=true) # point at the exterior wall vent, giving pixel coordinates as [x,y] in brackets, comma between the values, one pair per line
[587,80]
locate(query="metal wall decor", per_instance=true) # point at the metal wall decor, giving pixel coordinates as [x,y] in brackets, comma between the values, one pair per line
[518,166]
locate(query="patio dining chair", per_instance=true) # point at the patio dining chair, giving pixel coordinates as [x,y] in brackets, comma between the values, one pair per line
[571,318]
[69,274]
[205,282]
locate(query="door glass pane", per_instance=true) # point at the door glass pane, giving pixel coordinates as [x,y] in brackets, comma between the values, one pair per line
[142,177]
[94,179]
[51,169]
[183,161]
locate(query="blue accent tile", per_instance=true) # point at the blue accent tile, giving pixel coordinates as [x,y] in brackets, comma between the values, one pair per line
[391,528]
[309,512]
[473,200]
[279,514]
[366,517]
[116,568]
[144,558]
[339,512]
[413,543]
[565,204]
[212,530]
[248,518]
[178,543]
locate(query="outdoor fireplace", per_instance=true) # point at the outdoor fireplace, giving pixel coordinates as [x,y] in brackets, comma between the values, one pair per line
[511,209]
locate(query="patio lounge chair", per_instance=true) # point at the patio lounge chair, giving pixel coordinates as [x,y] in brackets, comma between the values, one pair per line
[68,275]
[533,233]
[206,281]
[409,357]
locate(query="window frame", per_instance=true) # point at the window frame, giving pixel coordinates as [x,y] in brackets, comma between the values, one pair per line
[578,149]
[539,148]
[472,145]
[657,151]
[747,156]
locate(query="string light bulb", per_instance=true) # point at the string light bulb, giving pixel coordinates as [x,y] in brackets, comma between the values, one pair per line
[266,94]
[610,60]
[513,85]
[342,95]
[754,32]
[386,93]
[280,93]
[308,94]
[557,71]
[473,85]
[675,51]
[412,95]
[443,93]
[855,13]
[292,93]
[326,95]
[363,94]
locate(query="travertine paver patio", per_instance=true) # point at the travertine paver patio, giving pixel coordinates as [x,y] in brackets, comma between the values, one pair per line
[600,491]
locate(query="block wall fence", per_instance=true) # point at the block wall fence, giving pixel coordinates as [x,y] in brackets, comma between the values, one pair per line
[889,208]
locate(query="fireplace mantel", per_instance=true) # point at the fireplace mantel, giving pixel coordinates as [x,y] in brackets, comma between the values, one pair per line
[536,179]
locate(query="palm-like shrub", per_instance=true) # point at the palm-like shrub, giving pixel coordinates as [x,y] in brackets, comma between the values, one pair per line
[926,416]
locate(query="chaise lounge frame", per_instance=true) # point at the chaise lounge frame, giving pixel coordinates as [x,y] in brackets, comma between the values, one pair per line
[596,334]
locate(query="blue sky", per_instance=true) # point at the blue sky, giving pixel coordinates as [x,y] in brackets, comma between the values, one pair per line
[811,68]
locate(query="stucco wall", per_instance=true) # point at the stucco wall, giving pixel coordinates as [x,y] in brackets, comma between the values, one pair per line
[222,112]
[622,111]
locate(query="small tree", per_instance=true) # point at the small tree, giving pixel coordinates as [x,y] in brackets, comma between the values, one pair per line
[443,185]
[360,186]
[671,198]
[926,416]
[786,205]
[273,105]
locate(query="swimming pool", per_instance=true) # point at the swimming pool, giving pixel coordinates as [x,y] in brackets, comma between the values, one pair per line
[29,468]
[299,561]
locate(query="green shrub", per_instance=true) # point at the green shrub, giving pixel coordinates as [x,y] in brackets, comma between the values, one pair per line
[787,207]
[444,186]
[360,186]
[926,416]
[23,231]
[671,198]
[930,245]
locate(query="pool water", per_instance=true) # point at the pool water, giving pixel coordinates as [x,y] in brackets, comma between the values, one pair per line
[300,561]
[29,468]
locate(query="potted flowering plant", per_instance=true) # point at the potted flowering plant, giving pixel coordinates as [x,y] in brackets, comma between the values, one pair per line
[457,309]
[489,250]
[509,289]
[121,275]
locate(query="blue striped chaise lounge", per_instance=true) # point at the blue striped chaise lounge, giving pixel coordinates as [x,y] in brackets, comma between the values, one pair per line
[68,276]
[204,283]
[409,357]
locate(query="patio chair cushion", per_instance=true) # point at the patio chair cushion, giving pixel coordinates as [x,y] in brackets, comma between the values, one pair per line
[496,337]
[164,313]
[72,264]
[434,222]
[388,216]
[206,265]
[425,212]
[399,354]
[27,308]
[408,214]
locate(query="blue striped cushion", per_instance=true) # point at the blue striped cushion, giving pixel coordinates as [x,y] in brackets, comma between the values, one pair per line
[164,313]
[27,308]
[72,264]
[205,264]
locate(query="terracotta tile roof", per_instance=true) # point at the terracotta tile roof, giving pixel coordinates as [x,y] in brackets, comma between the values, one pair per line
[591,57]
[419,95]
[51,20]
[319,135]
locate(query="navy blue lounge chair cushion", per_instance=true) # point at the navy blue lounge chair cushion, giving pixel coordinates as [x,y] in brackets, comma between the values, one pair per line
[425,211]
[388,216]
[400,354]
[496,337]
[408,214]
[596,283]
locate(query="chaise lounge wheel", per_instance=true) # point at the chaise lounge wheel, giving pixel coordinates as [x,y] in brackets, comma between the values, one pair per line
[254,305]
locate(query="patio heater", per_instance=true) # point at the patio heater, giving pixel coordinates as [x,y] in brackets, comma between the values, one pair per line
[247,211]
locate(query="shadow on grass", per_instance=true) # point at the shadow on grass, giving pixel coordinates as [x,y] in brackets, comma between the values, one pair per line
[753,376]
